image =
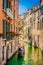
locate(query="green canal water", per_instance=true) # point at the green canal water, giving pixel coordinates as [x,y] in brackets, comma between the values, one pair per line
[33,56]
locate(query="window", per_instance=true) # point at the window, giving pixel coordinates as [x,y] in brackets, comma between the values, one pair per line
[38,39]
[28,30]
[14,2]
[3,4]
[34,25]
[14,14]
[11,47]
[42,10]
[41,24]
[30,20]
[6,29]
[39,13]
[16,29]
[3,53]
[34,17]
[38,25]
[7,4]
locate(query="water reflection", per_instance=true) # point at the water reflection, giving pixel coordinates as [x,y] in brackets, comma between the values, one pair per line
[20,60]
[42,54]
[33,56]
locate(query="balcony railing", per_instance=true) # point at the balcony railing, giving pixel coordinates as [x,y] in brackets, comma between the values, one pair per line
[9,13]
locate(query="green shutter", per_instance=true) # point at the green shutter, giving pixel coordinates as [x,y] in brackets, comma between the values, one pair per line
[3,3]
[4,29]
[28,30]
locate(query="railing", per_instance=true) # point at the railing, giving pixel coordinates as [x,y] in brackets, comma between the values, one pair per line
[3,42]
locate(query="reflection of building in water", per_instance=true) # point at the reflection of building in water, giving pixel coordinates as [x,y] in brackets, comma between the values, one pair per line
[42,54]
[36,55]
[26,53]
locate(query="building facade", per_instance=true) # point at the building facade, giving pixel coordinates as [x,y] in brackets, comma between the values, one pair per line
[8,29]
[37,25]
[33,20]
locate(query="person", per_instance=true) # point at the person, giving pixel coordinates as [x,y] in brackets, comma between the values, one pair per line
[35,45]
[19,45]
[19,50]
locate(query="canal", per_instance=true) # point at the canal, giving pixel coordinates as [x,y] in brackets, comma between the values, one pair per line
[33,56]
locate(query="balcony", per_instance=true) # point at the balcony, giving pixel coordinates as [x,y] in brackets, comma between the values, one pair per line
[9,13]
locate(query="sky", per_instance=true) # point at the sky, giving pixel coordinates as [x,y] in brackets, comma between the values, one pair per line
[25,4]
